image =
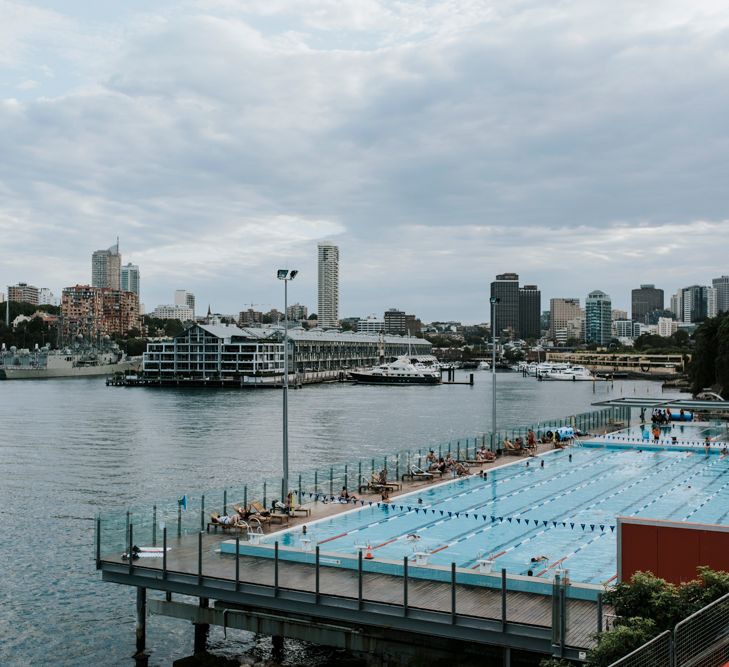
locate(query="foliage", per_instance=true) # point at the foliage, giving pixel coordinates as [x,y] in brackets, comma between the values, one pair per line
[162,327]
[629,635]
[512,355]
[710,362]
[27,334]
[556,662]
[677,342]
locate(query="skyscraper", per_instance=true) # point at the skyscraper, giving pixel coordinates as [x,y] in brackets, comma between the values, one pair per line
[130,278]
[645,300]
[696,302]
[530,308]
[328,285]
[506,312]
[721,285]
[106,268]
[23,292]
[598,320]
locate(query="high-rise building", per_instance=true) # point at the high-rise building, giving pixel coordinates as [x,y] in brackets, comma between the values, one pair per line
[130,278]
[371,324]
[23,292]
[598,320]
[618,314]
[106,268]
[47,297]
[98,311]
[721,285]
[250,317]
[677,305]
[395,321]
[696,301]
[506,311]
[297,312]
[645,299]
[666,327]
[626,329]
[185,298]
[711,302]
[562,311]
[328,301]
[173,312]
[530,308]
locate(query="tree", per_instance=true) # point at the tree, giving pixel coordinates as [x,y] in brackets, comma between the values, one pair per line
[625,637]
[710,362]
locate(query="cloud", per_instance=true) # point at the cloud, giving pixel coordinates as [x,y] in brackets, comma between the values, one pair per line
[439,143]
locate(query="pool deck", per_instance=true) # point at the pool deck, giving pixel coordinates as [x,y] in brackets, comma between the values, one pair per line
[353,608]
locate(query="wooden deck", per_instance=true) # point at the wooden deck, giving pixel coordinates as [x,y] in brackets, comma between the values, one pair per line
[522,608]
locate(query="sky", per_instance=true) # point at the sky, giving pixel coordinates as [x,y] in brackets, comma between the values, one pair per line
[580,144]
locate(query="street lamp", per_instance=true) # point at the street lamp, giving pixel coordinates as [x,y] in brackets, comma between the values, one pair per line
[286,275]
[494,300]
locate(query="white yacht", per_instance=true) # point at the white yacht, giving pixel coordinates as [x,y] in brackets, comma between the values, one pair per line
[400,371]
[483,366]
[571,373]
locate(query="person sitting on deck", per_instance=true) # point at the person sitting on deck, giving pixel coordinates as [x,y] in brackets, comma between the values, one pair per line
[459,469]
[431,458]
[345,496]
[519,443]
[224,520]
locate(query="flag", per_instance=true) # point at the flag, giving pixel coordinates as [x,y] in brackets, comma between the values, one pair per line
[182,502]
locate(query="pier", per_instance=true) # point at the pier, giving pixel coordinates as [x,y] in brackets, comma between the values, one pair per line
[386,609]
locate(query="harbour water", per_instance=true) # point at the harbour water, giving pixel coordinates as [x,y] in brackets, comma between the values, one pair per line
[72,447]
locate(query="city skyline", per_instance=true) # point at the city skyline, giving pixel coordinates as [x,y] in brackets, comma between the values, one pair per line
[436,148]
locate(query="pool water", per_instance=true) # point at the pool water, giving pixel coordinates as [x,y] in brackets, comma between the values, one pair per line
[559,508]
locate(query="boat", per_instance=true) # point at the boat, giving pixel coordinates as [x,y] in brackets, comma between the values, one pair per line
[571,373]
[483,366]
[45,363]
[400,371]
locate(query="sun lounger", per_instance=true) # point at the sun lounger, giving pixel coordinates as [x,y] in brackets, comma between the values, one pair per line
[225,527]
[416,473]
[514,451]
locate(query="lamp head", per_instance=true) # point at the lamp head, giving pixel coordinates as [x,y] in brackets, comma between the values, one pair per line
[494,300]
[293,274]
[282,273]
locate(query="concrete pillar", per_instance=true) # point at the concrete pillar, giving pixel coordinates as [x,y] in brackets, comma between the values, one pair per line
[201,631]
[506,657]
[141,657]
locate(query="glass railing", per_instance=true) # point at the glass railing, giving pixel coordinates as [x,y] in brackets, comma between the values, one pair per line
[191,514]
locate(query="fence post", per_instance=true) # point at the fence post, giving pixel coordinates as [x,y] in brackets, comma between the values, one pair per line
[265,504]
[316,483]
[599,615]
[245,497]
[317,575]
[503,599]
[129,550]
[98,542]
[225,502]
[359,473]
[237,563]
[164,553]
[359,579]
[331,481]
[275,568]
[202,512]
[453,593]
[199,558]
[346,475]
[299,488]
[405,585]
[154,525]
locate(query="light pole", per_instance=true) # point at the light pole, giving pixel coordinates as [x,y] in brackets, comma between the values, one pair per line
[286,275]
[494,300]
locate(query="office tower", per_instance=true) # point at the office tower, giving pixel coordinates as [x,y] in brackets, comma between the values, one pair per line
[185,298]
[530,308]
[106,268]
[618,314]
[328,300]
[666,327]
[130,278]
[677,305]
[711,302]
[695,303]
[506,311]
[562,311]
[598,321]
[644,300]
[23,292]
[395,321]
[721,285]
[626,329]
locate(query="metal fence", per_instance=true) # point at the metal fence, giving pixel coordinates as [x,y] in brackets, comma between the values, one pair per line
[701,640]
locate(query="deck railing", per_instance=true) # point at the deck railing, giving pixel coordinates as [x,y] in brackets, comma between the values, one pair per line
[182,517]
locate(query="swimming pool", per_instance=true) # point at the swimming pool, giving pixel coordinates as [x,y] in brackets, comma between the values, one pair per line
[558,508]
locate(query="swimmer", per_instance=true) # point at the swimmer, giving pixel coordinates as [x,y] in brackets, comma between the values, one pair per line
[420,501]
[570,458]
[541,465]
[538,559]
[527,464]
[303,530]
[412,537]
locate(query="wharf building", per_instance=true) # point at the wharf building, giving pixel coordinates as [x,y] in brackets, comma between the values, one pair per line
[246,355]
[106,268]
[23,292]
[598,318]
[328,293]
[95,311]
[518,311]
[645,300]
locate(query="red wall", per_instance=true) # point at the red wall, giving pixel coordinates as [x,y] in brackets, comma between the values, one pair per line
[670,551]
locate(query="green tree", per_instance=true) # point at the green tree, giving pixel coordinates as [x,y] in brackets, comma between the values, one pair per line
[703,368]
[625,637]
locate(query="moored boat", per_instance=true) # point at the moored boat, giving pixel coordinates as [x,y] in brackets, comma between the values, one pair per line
[400,371]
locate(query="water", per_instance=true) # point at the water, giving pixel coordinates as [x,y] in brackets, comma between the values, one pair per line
[562,514]
[71,448]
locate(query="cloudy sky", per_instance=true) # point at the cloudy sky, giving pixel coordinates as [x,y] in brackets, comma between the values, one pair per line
[581,144]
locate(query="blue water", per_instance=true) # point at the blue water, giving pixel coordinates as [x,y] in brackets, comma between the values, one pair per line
[686,434]
[565,511]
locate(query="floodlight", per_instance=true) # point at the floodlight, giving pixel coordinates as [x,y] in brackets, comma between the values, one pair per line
[293,274]
[282,273]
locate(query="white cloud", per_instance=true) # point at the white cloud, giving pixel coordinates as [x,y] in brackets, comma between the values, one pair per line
[440,143]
